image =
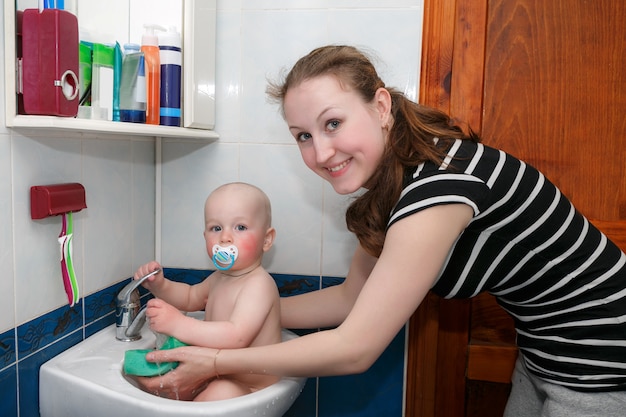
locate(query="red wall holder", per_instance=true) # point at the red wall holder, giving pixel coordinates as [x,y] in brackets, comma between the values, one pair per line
[54,199]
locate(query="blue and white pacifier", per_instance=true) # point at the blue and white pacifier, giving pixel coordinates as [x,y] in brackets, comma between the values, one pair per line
[224,256]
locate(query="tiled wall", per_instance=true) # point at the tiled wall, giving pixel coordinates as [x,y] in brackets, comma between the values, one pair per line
[256,40]
[377,392]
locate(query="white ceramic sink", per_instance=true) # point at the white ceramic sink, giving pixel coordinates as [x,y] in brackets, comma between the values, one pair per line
[87,380]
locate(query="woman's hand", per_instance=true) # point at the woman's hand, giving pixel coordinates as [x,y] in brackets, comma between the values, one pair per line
[194,371]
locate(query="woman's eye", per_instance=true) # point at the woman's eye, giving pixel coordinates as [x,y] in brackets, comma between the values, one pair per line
[333,125]
[303,137]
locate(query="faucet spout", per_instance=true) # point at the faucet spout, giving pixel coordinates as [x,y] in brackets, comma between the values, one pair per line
[129,319]
[133,331]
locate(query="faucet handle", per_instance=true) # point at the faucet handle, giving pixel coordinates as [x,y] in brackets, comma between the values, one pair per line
[123,297]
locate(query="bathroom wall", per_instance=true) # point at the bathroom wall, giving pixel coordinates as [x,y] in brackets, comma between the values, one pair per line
[116,233]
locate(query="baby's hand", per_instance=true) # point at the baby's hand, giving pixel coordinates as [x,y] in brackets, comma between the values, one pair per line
[144,270]
[164,318]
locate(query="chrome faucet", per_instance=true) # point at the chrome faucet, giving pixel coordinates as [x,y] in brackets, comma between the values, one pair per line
[129,317]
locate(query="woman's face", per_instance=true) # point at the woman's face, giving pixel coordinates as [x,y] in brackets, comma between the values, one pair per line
[341,137]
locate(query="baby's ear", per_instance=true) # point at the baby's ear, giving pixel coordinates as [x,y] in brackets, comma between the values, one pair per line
[270,234]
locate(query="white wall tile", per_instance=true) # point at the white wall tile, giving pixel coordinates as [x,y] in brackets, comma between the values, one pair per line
[296,196]
[256,41]
[109,229]
[40,161]
[321,4]
[191,170]
[3,128]
[338,243]
[7,284]
[228,68]
[143,202]
[274,36]
[272,41]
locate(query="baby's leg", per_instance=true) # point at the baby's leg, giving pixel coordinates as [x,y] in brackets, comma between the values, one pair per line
[222,389]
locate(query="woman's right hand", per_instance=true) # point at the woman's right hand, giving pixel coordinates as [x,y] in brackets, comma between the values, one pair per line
[194,371]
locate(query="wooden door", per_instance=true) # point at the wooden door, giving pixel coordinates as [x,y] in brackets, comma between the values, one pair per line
[546,82]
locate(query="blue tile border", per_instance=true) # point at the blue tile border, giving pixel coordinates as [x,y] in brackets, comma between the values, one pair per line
[101,303]
[48,328]
[8,391]
[189,276]
[361,395]
[28,370]
[7,348]
[289,285]
[45,337]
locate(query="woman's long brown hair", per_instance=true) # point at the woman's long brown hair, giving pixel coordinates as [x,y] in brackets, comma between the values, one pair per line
[410,141]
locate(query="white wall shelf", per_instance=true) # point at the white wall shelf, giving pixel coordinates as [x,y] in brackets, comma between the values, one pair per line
[71,124]
[194,100]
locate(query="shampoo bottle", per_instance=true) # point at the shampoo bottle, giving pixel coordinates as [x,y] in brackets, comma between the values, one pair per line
[150,49]
[133,86]
[171,72]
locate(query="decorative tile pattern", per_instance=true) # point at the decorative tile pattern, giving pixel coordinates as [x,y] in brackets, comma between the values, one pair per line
[377,392]
[46,329]
[7,348]
[289,285]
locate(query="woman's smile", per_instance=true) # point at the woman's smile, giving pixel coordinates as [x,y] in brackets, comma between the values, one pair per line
[335,170]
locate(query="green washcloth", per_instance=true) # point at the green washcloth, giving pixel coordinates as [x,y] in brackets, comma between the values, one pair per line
[172,343]
[135,362]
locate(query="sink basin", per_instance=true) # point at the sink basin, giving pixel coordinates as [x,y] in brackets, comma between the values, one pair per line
[87,379]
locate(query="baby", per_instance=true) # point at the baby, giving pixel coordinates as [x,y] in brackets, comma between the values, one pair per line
[240,299]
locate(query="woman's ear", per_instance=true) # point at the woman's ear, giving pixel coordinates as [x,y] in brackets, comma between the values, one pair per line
[382,100]
[270,234]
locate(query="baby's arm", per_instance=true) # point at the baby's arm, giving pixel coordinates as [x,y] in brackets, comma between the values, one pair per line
[180,295]
[165,318]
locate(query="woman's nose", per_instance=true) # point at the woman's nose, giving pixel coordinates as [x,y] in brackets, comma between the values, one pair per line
[324,149]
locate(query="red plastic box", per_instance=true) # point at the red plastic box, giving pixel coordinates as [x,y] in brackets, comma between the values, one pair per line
[50,200]
[47,62]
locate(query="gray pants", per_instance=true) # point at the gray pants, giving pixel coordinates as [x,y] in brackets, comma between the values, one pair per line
[533,397]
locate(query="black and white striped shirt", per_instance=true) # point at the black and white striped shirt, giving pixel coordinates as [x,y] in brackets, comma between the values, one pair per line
[560,278]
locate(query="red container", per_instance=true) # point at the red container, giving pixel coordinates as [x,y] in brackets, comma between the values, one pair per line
[53,199]
[47,49]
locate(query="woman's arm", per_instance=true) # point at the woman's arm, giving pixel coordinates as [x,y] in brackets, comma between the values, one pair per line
[330,306]
[415,250]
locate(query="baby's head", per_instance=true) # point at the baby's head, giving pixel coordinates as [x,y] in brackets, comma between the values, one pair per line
[238,226]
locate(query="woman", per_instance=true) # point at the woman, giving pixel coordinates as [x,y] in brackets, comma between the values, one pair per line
[443,212]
